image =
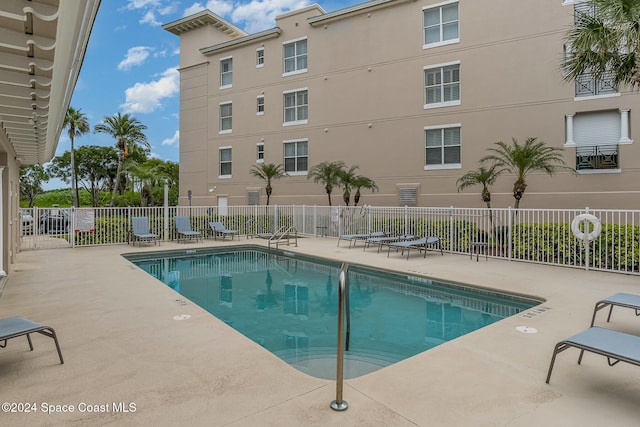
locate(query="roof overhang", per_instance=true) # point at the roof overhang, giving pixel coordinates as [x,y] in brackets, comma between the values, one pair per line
[202,19]
[42,47]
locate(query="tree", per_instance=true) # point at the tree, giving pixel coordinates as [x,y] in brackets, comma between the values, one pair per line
[481,176]
[360,182]
[95,168]
[346,180]
[523,159]
[605,39]
[76,124]
[268,172]
[128,132]
[31,179]
[326,173]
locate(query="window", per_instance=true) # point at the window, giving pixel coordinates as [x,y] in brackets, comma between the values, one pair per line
[260,153]
[442,147]
[442,85]
[226,111]
[597,136]
[226,72]
[295,57]
[260,106]
[296,107]
[259,58]
[225,162]
[295,157]
[586,85]
[441,24]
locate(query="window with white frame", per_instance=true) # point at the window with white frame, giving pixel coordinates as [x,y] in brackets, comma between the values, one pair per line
[441,24]
[260,58]
[226,113]
[226,72]
[442,85]
[260,153]
[295,56]
[225,162]
[295,157]
[442,146]
[260,105]
[296,104]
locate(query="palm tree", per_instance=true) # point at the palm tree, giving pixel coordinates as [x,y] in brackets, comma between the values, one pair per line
[346,180]
[362,182]
[606,39]
[481,176]
[523,159]
[75,121]
[327,174]
[127,131]
[268,172]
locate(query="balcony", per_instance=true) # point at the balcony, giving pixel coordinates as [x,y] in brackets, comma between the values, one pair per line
[593,157]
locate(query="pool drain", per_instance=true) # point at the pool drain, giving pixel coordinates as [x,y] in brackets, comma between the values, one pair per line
[526,329]
[181,317]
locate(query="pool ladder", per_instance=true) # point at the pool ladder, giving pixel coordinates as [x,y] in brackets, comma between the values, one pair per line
[343,340]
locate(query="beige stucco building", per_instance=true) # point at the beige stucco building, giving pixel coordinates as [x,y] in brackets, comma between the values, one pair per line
[413,92]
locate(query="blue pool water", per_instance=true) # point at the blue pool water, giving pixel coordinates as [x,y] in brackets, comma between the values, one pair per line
[288,304]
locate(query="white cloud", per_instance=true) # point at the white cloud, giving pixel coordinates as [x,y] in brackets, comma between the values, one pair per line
[148,97]
[221,8]
[259,15]
[173,140]
[135,56]
[149,18]
[254,16]
[139,4]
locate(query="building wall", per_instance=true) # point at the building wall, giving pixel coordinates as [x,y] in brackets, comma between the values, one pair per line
[365,83]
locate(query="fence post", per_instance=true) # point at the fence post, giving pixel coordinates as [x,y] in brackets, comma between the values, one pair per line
[451,229]
[165,220]
[509,228]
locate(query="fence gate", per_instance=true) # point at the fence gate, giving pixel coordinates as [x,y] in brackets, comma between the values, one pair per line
[45,228]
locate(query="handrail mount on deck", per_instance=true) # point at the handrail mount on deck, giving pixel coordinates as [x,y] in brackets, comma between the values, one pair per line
[343,300]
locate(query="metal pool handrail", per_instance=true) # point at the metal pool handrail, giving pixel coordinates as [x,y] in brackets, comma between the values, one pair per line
[343,300]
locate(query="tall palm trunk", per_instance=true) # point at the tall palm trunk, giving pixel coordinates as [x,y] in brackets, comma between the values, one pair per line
[117,180]
[329,190]
[268,189]
[74,183]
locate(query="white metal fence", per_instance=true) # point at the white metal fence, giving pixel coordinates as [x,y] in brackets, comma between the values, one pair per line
[532,235]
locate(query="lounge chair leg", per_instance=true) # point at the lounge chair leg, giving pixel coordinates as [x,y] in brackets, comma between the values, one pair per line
[30,343]
[610,311]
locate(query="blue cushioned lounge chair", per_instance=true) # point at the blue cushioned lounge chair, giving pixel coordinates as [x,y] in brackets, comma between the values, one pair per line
[615,346]
[13,327]
[621,300]
[183,228]
[419,244]
[218,228]
[353,238]
[140,230]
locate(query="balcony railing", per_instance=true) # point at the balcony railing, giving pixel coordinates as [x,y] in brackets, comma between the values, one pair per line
[597,157]
[587,85]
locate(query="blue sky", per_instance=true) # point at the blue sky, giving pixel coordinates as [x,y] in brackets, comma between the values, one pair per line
[131,64]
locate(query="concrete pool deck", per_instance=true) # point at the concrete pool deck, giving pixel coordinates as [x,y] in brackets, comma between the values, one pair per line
[122,346]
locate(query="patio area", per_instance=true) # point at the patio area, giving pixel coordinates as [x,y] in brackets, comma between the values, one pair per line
[123,349]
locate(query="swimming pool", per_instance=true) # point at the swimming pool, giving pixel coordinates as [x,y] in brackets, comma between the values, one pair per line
[288,303]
